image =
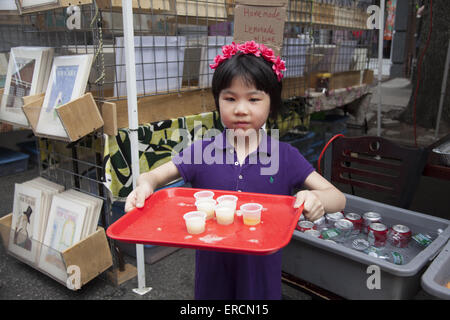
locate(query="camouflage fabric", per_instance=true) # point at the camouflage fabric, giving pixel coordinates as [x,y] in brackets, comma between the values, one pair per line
[156,142]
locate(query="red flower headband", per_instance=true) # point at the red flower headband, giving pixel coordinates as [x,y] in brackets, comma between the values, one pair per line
[251,47]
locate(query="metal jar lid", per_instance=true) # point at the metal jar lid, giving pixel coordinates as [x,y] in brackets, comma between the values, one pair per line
[377,226]
[343,224]
[401,228]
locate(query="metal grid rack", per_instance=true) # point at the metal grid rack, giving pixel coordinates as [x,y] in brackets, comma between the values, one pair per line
[326,36]
[77,165]
[175,41]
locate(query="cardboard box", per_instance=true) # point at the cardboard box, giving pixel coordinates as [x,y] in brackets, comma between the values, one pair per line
[261,21]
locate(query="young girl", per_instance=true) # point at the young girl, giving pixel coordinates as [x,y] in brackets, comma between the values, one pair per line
[247,89]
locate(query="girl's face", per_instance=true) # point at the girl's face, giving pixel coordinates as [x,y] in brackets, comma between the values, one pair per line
[243,108]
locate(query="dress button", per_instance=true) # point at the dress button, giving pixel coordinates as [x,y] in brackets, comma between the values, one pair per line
[231,151]
[236,163]
[241,177]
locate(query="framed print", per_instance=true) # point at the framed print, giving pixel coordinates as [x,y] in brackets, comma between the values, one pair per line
[67,81]
[48,189]
[25,223]
[64,228]
[35,3]
[22,79]
[27,74]
[27,4]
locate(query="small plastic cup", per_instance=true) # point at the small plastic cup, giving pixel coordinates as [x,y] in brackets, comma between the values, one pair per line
[224,214]
[195,221]
[251,213]
[206,205]
[205,194]
[228,201]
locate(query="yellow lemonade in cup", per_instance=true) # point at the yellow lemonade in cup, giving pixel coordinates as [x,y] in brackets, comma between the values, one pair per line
[251,213]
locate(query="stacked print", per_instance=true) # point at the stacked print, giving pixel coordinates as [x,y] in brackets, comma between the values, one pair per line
[47,220]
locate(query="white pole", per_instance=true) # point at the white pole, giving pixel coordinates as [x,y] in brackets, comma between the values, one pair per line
[443,88]
[380,64]
[130,63]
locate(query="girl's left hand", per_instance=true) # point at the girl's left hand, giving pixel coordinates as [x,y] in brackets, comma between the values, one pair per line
[312,208]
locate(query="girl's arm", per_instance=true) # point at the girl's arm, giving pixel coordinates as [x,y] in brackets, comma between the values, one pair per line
[321,197]
[148,182]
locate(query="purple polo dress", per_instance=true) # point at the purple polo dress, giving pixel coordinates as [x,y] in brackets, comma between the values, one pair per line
[274,168]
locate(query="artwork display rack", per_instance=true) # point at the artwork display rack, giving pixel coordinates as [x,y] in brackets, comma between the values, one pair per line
[83,261]
[76,162]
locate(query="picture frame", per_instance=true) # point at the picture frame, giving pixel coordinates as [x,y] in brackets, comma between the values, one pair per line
[25,76]
[28,4]
[64,229]
[67,81]
[25,223]
[48,189]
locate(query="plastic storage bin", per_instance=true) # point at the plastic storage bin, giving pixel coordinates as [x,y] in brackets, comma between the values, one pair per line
[437,275]
[12,162]
[345,271]
[30,148]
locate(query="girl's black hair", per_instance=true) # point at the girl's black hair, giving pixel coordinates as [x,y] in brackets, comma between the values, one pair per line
[252,70]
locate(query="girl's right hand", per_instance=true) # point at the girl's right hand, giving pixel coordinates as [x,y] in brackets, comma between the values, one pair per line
[137,197]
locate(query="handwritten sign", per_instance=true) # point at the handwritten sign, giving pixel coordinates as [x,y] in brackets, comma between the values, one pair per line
[263,24]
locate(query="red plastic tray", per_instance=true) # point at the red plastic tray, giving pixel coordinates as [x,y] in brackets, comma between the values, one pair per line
[160,222]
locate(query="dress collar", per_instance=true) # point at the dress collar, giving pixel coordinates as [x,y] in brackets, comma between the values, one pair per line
[221,142]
